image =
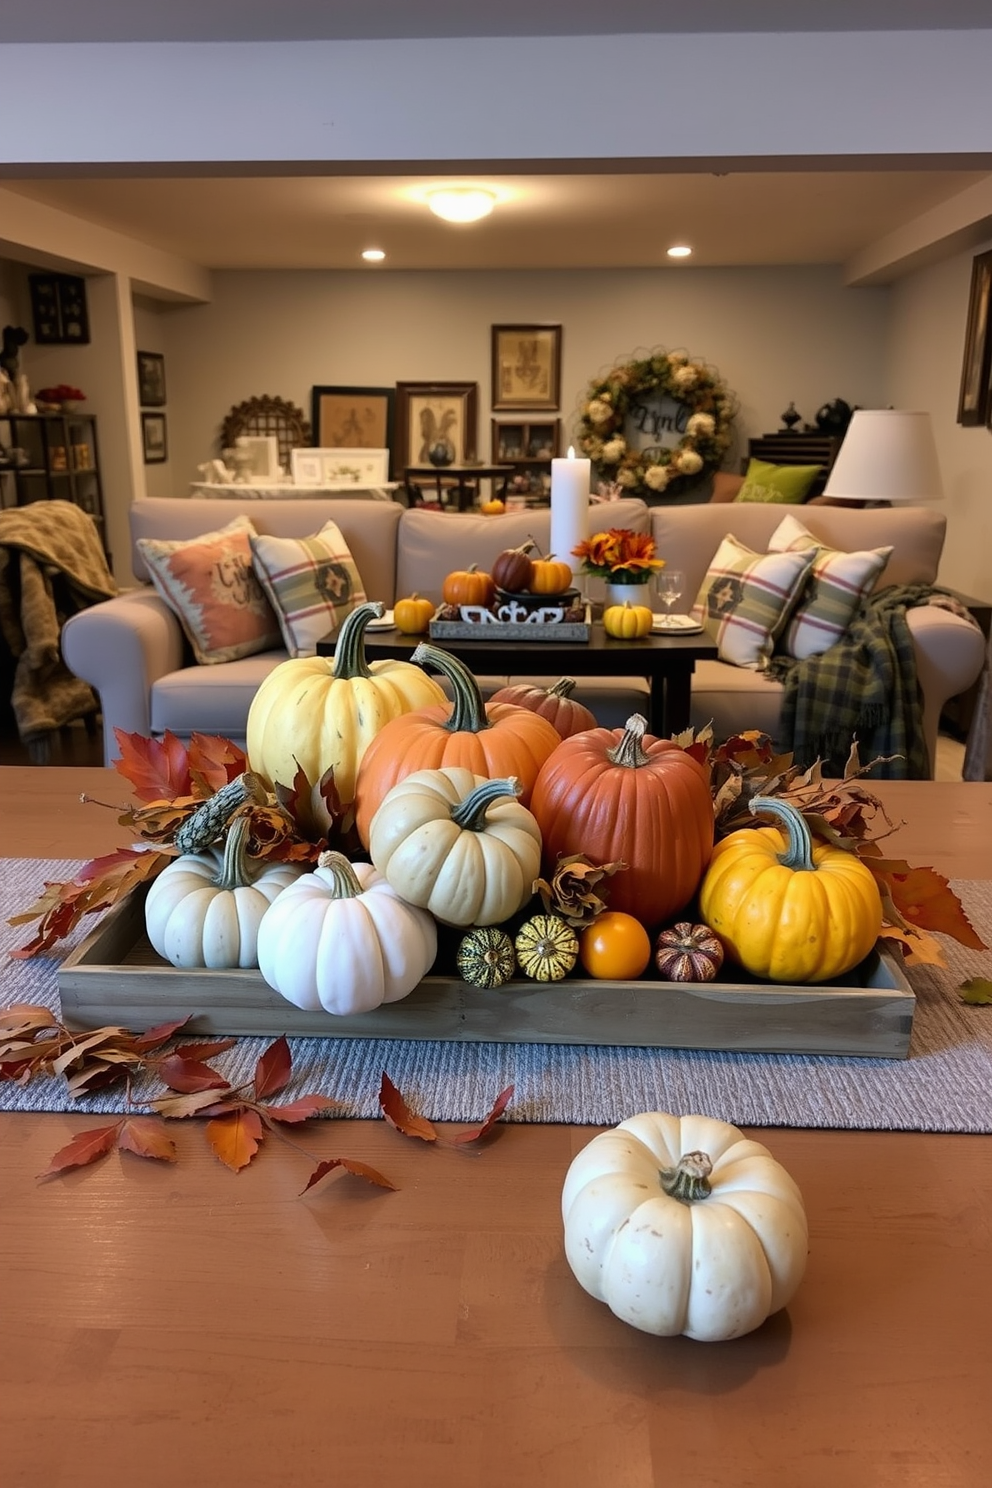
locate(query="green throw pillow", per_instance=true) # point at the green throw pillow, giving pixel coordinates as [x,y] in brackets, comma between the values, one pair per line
[777,483]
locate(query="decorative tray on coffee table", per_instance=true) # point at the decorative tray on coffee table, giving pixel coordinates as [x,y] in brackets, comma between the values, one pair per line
[518,617]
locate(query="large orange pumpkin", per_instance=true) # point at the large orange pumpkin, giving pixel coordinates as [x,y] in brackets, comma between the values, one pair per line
[495,740]
[556,704]
[623,794]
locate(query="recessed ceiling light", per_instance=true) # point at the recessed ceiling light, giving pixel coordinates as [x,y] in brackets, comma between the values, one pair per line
[679,251]
[373,255]
[461,203]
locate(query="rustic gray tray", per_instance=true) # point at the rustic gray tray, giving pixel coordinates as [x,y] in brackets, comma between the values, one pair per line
[114,977]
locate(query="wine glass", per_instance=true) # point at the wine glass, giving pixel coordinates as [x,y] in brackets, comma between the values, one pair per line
[670,583]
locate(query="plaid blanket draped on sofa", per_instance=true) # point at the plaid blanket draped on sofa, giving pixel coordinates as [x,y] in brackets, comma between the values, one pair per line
[863,688]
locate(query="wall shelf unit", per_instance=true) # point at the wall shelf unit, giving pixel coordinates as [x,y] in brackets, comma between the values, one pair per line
[529,445]
[51,457]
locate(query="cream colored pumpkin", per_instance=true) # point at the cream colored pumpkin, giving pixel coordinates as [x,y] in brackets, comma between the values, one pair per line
[341,939]
[683,1225]
[458,845]
[315,712]
[205,908]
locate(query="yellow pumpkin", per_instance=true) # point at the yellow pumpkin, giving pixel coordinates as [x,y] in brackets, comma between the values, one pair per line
[493,508]
[413,614]
[787,909]
[627,622]
[550,576]
[314,712]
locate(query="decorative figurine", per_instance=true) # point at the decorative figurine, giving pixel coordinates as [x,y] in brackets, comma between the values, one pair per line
[790,418]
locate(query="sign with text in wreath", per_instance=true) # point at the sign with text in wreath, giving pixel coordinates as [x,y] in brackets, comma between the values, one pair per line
[657,423]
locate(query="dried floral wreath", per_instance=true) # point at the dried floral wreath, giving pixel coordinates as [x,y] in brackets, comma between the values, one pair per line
[703,425]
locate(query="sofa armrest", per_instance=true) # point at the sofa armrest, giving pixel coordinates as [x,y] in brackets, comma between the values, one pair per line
[120,647]
[949,654]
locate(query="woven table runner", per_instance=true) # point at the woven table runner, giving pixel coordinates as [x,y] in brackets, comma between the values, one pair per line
[944,1086]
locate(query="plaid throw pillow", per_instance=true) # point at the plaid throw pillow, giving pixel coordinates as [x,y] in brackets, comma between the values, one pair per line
[312,583]
[210,584]
[745,598]
[836,585]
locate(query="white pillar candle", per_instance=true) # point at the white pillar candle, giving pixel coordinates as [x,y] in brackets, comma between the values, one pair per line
[569,507]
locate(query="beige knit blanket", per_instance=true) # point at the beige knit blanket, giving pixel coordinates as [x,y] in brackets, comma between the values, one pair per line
[51,565]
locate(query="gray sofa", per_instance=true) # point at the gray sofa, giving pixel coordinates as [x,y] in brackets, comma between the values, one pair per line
[131,649]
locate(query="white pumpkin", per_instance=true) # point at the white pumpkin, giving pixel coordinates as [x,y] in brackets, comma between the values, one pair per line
[684,1225]
[205,908]
[341,939]
[457,844]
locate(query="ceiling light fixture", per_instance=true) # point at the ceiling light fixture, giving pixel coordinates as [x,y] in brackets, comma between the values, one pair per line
[461,203]
[679,251]
[373,255]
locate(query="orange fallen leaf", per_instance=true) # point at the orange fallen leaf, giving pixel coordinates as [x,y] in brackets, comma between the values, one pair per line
[350,1165]
[236,1137]
[188,1075]
[158,769]
[302,1109]
[476,1133]
[923,897]
[146,1137]
[273,1070]
[399,1115]
[84,1148]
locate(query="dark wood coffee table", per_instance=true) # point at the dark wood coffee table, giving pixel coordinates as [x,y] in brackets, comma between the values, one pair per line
[667,661]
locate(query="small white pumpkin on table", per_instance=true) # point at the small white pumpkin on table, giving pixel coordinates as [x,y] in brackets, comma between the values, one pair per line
[684,1225]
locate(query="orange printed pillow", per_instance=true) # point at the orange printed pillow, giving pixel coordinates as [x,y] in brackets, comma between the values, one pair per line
[210,583]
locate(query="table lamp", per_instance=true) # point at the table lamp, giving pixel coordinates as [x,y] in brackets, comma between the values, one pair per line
[888,455]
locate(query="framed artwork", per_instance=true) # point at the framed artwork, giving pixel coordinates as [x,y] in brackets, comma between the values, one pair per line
[526,367]
[340,467]
[428,413]
[58,307]
[151,379]
[153,438]
[352,417]
[974,404]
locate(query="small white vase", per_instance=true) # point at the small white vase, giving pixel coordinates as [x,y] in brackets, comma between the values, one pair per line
[637,594]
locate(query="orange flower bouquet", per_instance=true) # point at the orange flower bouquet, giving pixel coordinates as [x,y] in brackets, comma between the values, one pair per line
[619,555]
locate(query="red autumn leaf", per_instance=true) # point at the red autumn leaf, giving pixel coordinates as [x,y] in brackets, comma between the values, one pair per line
[273,1069]
[103,882]
[213,762]
[302,1109]
[157,768]
[84,1148]
[145,1137]
[350,1165]
[475,1134]
[924,898]
[399,1115]
[235,1138]
[188,1075]
[155,1037]
[206,1050]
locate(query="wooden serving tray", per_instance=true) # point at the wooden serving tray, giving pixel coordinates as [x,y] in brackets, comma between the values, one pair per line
[114,977]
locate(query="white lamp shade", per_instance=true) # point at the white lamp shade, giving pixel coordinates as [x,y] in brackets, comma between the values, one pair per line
[888,454]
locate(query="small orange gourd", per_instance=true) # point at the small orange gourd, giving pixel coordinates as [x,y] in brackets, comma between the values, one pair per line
[556,704]
[413,614]
[468,586]
[550,575]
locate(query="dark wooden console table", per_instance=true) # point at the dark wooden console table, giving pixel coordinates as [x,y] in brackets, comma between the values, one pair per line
[462,479]
[667,661]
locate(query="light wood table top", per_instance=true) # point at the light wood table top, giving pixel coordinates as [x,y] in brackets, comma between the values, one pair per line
[160,1323]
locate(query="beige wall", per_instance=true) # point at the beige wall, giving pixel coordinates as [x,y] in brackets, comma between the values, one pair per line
[926,346]
[774,335]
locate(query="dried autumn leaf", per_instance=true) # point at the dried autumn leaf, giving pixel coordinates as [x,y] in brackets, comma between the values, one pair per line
[923,898]
[977,991]
[476,1134]
[236,1137]
[571,890]
[916,947]
[213,762]
[350,1165]
[158,769]
[25,1017]
[302,1109]
[101,883]
[84,1148]
[188,1076]
[154,1038]
[399,1115]
[145,1137]
[180,1107]
[206,1050]
[273,1070]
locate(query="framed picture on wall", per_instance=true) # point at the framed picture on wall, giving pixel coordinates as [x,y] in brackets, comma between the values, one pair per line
[153,438]
[352,417]
[58,308]
[974,404]
[151,379]
[526,366]
[431,412]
